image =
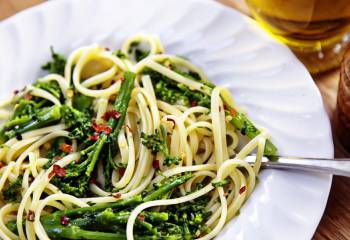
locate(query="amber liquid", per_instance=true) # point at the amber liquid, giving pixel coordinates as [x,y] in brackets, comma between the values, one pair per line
[314,29]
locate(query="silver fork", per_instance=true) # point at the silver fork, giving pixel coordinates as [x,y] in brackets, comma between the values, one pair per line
[337,166]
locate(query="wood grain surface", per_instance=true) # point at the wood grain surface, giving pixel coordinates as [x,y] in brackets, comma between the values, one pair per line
[335,222]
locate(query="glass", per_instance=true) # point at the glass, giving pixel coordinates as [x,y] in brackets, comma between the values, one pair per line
[316,30]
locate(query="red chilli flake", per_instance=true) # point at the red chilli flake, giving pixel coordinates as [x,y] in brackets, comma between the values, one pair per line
[31,216]
[111,114]
[1,164]
[155,164]
[117,195]
[141,218]
[94,137]
[64,220]
[16,92]
[99,128]
[64,147]
[28,96]
[194,104]
[242,189]
[233,112]
[57,170]
[121,171]
[93,181]
[225,107]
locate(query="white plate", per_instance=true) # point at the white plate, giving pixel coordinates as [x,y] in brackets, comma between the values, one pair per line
[263,75]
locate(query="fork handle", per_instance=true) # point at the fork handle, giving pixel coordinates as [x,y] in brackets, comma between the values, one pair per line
[340,167]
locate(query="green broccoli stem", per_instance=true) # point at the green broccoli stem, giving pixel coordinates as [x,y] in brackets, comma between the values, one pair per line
[107,219]
[121,103]
[3,137]
[96,153]
[243,124]
[167,188]
[74,232]
[120,204]
[44,117]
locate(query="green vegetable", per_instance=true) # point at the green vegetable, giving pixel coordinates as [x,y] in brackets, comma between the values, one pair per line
[177,93]
[40,118]
[78,175]
[82,102]
[52,87]
[57,64]
[221,183]
[246,127]
[79,123]
[167,187]
[108,220]
[13,192]
[157,143]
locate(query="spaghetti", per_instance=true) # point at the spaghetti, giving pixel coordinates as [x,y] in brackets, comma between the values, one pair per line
[81,138]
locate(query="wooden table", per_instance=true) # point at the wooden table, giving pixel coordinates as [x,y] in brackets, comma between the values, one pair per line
[334,224]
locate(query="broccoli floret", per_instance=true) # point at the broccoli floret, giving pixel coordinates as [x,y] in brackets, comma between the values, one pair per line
[57,64]
[79,123]
[157,143]
[13,192]
[82,102]
[176,93]
[52,87]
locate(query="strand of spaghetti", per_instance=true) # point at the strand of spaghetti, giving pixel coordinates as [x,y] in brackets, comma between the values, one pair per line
[168,108]
[36,145]
[102,104]
[19,146]
[200,175]
[124,194]
[182,169]
[23,205]
[175,60]
[39,229]
[86,56]
[5,174]
[100,78]
[62,82]
[34,91]
[145,161]
[219,129]
[7,145]
[125,179]
[4,114]
[182,139]
[193,85]
[151,99]
[5,233]
[222,220]
[141,207]
[39,188]
[201,158]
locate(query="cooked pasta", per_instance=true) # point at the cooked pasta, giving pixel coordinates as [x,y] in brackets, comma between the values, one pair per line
[134,144]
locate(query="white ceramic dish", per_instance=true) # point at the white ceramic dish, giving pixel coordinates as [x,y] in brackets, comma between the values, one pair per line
[264,77]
